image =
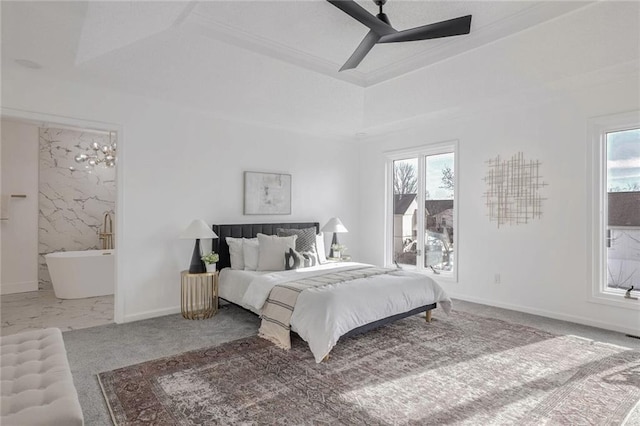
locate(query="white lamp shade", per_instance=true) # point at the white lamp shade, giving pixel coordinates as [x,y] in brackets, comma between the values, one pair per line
[334,225]
[198,229]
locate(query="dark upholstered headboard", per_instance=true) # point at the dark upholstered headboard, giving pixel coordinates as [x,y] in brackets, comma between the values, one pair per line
[248,230]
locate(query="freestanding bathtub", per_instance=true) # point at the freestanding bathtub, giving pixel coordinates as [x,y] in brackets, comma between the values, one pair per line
[80,274]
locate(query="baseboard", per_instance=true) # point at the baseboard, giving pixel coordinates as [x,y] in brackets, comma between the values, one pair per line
[541,312]
[549,314]
[152,314]
[21,287]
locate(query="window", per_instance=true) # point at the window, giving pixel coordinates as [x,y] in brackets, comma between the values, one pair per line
[421,209]
[615,208]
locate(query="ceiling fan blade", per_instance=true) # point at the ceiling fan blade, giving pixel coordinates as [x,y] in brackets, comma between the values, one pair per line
[452,27]
[361,51]
[358,13]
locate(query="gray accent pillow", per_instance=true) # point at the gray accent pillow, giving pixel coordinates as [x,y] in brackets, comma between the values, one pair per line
[295,260]
[305,244]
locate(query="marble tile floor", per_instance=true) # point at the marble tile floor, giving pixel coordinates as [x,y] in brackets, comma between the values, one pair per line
[41,309]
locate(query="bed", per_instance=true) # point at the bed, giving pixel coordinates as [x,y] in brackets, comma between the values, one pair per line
[326,314]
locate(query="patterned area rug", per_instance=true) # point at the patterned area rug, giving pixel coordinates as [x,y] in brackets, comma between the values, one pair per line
[461,369]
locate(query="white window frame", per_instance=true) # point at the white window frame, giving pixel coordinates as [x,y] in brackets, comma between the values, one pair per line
[421,152]
[597,207]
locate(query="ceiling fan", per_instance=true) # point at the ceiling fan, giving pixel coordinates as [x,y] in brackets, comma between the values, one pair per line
[381,31]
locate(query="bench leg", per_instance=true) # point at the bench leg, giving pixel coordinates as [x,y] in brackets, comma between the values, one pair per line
[428,316]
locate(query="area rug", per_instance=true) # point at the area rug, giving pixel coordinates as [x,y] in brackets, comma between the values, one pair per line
[461,369]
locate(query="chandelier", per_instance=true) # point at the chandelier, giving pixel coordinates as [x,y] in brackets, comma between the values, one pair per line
[102,154]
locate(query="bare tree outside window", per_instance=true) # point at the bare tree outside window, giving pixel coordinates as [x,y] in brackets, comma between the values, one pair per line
[447,179]
[405,180]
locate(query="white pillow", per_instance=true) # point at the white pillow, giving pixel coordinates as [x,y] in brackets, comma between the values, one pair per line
[250,252]
[272,249]
[235,252]
[322,255]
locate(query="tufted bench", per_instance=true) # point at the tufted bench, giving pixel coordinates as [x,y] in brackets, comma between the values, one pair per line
[37,387]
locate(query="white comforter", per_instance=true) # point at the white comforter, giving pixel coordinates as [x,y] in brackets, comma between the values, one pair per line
[323,314]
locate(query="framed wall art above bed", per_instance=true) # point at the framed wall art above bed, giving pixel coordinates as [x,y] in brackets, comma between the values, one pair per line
[267,193]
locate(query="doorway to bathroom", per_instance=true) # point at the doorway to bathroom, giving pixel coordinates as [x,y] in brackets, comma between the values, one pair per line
[58,227]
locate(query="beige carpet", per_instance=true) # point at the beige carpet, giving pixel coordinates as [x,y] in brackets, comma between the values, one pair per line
[462,369]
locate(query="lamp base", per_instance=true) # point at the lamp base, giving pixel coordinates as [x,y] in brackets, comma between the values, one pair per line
[333,241]
[197,265]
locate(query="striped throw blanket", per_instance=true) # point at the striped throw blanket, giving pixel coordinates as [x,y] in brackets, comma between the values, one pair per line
[277,310]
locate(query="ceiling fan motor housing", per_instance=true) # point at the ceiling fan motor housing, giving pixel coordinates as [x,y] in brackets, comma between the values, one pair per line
[384,18]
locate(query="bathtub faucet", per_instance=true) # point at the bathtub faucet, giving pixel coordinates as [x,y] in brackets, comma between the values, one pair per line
[106,235]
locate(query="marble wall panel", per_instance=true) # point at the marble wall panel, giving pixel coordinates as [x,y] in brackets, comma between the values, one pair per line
[72,203]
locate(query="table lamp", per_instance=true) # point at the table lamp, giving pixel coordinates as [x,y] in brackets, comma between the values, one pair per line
[198,230]
[334,225]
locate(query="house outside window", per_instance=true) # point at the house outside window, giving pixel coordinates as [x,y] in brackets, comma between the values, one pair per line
[421,209]
[615,209]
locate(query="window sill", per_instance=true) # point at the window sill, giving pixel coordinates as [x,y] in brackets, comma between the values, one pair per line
[614,299]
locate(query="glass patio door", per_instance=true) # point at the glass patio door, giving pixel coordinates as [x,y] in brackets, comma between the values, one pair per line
[422,211]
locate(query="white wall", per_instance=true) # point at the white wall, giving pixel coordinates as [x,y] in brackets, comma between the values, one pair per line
[589,40]
[544,265]
[19,234]
[179,164]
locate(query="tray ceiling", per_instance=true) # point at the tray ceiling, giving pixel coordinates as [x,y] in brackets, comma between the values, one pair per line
[310,34]
[318,36]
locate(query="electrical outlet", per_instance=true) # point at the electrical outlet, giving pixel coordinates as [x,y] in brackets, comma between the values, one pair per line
[496,278]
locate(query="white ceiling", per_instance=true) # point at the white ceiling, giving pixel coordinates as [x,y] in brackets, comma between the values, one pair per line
[320,37]
[308,33]
[258,60]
